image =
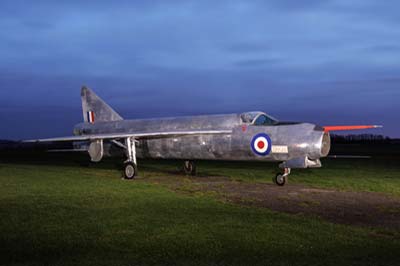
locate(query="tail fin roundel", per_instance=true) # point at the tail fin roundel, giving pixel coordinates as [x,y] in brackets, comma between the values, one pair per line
[95,109]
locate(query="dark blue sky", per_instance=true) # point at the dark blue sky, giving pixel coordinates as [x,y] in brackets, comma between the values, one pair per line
[327,62]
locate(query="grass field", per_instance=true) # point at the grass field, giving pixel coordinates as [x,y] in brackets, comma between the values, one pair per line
[357,174]
[66,214]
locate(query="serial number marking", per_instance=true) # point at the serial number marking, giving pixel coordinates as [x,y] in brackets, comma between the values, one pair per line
[279,149]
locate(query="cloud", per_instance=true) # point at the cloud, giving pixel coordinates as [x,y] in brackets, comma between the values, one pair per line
[103,38]
[189,57]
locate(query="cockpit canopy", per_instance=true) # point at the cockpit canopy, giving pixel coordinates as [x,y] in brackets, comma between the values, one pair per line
[258,119]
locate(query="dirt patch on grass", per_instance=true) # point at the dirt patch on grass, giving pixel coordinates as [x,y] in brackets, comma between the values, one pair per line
[345,207]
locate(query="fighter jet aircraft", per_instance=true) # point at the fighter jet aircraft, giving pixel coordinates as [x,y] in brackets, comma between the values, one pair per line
[251,136]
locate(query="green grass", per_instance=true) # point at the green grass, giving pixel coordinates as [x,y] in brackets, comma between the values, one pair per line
[374,175]
[70,215]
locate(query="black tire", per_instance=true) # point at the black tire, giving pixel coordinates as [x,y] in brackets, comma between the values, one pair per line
[189,167]
[130,170]
[280,179]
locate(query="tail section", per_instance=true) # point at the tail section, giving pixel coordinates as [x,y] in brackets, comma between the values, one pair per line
[95,109]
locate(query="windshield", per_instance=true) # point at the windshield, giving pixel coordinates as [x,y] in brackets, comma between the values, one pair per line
[264,120]
[258,119]
[248,118]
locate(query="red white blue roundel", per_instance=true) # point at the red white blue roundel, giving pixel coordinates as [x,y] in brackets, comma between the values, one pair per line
[261,144]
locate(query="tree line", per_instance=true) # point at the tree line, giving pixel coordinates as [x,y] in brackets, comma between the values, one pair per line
[361,138]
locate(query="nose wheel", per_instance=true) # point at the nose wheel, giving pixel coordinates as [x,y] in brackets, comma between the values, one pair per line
[189,167]
[281,178]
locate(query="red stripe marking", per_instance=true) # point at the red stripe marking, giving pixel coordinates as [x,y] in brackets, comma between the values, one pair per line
[339,128]
[92,117]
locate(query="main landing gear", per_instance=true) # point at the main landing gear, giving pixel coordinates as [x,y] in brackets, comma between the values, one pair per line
[281,178]
[130,165]
[130,170]
[189,167]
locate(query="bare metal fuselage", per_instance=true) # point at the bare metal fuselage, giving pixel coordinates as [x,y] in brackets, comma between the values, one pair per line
[291,141]
[250,136]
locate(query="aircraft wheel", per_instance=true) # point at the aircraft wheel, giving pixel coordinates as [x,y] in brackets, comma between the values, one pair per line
[189,167]
[130,170]
[280,179]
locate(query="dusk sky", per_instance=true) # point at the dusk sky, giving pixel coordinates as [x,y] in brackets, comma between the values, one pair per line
[326,62]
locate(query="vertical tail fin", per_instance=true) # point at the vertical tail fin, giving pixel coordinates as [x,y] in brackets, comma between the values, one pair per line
[95,109]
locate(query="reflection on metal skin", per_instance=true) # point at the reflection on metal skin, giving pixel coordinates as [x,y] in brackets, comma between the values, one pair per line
[251,136]
[295,141]
[96,150]
[298,144]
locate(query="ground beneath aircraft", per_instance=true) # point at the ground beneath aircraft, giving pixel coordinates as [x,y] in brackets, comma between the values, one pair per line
[344,207]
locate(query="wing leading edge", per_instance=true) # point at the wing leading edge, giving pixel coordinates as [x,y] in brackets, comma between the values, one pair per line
[151,135]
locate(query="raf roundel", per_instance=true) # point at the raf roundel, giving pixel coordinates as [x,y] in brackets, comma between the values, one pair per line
[261,144]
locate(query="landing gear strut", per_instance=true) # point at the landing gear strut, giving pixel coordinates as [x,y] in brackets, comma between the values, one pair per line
[130,165]
[281,178]
[189,167]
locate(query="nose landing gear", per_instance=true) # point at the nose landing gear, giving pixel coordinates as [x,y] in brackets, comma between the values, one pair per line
[281,178]
[189,167]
